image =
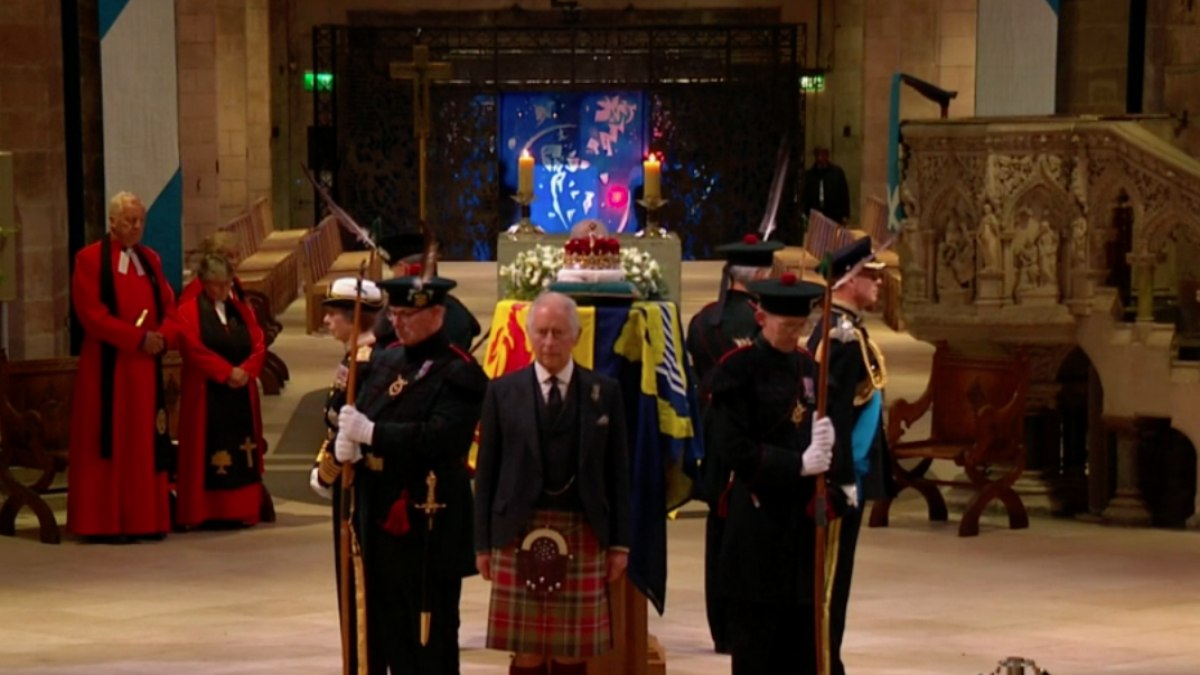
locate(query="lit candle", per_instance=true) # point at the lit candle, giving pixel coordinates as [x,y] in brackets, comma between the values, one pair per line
[652,182]
[525,173]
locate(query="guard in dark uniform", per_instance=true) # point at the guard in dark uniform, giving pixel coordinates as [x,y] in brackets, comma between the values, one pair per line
[729,321]
[339,319]
[857,374]
[761,425]
[720,327]
[410,434]
[405,251]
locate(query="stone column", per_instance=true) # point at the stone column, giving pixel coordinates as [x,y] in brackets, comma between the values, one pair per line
[1143,263]
[32,127]
[1127,506]
[197,45]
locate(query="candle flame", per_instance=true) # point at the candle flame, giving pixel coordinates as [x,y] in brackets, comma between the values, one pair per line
[525,153]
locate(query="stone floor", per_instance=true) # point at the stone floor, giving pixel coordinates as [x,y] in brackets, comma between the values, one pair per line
[1078,598]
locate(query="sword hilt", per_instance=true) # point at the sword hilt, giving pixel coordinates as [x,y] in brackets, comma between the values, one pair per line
[430,506]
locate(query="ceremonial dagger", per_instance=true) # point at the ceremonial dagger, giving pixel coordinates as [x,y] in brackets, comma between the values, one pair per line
[430,506]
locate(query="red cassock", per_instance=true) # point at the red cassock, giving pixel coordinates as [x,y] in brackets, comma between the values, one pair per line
[201,496]
[123,494]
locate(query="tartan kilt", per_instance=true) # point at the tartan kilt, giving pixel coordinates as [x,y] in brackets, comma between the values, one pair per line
[573,623]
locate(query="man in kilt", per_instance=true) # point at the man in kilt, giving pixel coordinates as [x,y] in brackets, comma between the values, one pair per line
[552,523]
[760,425]
[409,434]
[718,328]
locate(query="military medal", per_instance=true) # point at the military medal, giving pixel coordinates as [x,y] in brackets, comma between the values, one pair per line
[595,393]
[397,386]
[798,413]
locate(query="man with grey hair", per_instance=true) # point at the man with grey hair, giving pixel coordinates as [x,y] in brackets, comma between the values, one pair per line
[120,452]
[552,498]
[716,330]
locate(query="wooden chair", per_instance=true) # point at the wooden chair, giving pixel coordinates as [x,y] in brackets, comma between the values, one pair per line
[977,413]
[23,444]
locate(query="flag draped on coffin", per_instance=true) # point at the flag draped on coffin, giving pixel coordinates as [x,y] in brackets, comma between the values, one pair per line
[642,348]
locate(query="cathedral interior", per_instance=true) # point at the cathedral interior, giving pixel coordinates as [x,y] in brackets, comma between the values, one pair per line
[1034,159]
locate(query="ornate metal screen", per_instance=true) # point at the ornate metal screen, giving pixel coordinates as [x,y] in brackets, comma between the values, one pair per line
[720,98]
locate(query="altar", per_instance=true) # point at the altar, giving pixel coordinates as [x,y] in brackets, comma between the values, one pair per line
[640,345]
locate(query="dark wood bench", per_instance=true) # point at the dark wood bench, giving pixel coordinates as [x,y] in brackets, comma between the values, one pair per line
[35,436]
[977,420]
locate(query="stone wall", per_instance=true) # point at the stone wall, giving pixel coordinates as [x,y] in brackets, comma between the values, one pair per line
[224,109]
[930,39]
[31,127]
[1093,57]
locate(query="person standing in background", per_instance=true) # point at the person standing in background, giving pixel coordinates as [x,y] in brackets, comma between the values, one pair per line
[826,189]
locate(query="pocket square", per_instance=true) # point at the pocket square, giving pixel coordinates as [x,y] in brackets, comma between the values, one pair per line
[602,421]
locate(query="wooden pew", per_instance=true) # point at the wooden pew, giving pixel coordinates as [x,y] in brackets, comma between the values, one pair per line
[35,427]
[35,423]
[977,412]
[324,261]
[274,273]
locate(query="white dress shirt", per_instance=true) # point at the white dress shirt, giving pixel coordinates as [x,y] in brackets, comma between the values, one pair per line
[564,379]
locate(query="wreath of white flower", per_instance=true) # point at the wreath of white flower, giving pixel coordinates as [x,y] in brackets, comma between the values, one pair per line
[532,271]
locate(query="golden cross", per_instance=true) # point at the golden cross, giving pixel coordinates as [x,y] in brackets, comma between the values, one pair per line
[421,71]
[248,448]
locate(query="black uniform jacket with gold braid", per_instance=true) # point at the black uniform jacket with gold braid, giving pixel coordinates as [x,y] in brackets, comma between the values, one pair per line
[328,468]
[758,425]
[425,401]
[856,371]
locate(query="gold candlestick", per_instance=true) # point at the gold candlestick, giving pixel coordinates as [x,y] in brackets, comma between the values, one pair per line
[653,230]
[525,224]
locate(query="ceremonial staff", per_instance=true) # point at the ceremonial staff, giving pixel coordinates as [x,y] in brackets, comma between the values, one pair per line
[349,553]
[820,516]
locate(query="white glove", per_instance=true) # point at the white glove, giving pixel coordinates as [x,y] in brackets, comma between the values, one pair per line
[819,454]
[346,450]
[355,425]
[851,491]
[315,484]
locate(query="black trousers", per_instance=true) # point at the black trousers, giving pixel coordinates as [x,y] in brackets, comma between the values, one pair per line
[394,613]
[771,639]
[714,604]
[840,600]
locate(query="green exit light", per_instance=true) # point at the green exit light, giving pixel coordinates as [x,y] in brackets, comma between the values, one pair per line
[318,81]
[812,83]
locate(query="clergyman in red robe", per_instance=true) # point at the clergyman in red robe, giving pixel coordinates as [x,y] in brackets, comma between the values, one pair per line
[120,454]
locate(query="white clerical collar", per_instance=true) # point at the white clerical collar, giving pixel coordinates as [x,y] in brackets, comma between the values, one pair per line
[125,259]
[564,375]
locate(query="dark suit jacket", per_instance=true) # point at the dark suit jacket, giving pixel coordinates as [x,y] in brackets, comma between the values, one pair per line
[508,477]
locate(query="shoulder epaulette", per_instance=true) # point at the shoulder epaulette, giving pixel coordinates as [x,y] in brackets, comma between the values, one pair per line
[363,354]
